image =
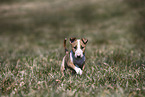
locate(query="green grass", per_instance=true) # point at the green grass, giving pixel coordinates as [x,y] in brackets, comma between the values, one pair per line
[31,47]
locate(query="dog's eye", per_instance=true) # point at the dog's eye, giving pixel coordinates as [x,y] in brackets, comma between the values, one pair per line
[82,47]
[75,47]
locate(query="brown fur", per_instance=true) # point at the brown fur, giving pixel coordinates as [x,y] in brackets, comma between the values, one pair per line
[66,59]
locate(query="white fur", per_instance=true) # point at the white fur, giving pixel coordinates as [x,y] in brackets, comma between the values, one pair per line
[71,57]
[78,70]
[78,52]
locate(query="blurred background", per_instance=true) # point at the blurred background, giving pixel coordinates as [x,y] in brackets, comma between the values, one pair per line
[35,27]
[31,46]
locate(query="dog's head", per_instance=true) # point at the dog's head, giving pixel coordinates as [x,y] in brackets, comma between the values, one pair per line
[78,46]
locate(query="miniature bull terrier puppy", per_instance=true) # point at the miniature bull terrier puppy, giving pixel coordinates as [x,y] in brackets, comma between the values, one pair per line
[75,59]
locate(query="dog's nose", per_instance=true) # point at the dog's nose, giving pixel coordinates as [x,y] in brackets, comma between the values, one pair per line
[78,56]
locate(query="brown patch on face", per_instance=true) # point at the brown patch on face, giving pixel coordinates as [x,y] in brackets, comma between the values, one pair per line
[83,46]
[74,45]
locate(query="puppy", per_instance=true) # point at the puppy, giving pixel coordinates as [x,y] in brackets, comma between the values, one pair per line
[75,59]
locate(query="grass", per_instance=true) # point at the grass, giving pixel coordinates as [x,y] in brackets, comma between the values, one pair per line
[31,47]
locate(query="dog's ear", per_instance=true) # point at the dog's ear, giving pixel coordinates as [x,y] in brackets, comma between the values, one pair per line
[84,40]
[72,39]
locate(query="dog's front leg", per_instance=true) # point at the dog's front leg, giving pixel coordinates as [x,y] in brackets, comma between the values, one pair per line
[78,70]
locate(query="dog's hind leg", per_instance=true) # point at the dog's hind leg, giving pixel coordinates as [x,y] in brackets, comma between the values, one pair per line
[63,66]
[83,67]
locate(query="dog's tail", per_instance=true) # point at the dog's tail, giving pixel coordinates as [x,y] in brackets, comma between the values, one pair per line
[66,51]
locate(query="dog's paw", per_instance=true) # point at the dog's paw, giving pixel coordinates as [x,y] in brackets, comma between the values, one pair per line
[78,70]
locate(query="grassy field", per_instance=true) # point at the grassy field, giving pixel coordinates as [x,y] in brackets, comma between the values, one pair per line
[31,47]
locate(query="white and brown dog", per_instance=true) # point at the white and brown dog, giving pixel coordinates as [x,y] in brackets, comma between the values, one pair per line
[75,59]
